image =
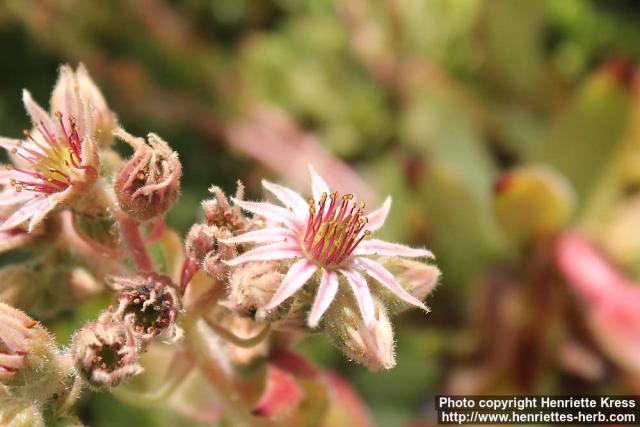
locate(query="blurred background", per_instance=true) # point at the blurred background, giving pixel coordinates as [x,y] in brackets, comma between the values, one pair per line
[496,125]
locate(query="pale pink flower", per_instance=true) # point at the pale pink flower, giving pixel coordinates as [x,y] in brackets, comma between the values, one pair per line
[329,235]
[57,161]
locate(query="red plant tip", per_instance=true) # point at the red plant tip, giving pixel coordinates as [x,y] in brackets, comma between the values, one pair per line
[621,69]
[502,183]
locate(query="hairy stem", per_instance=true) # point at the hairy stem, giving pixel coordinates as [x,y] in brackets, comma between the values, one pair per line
[236,340]
[137,248]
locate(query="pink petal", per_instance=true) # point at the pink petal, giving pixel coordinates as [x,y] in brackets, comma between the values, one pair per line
[318,185]
[267,253]
[380,247]
[12,197]
[9,143]
[27,211]
[290,198]
[38,115]
[273,212]
[326,293]
[263,235]
[7,174]
[382,275]
[377,218]
[299,273]
[13,239]
[14,361]
[363,295]
[42,209]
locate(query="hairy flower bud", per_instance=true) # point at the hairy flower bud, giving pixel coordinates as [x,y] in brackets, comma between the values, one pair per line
[222,213]
[105,352]
[14,414]
[204,246]
[251,287]
[371,345]
[149,303]
[149,183]
[417,278]
[29,365]
[18,286]
[223,220]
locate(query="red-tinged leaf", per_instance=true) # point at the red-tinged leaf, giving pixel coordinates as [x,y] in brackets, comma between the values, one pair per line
[294,364]
[584,268]
[347,407]
[281,396]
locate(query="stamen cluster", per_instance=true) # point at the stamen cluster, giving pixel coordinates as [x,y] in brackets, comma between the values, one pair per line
[333,232]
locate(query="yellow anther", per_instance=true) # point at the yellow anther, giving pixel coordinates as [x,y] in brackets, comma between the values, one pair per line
[312,202]
[333,196]
[8,167]
[18,188]
[58,114]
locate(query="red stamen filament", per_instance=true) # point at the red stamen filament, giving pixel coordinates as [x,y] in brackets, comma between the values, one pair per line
[333,233]
[49,158]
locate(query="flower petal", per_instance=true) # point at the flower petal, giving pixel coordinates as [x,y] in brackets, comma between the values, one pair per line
[9,143]
[363,295]
[299,273]
[326,293]
[271,252]
[37,114]
[380,247]
[10,197]
[290,198]
[41,210]
[377,218]
[29,210]
[318,185]
[263,235]
[270,211]
[13,239]
[382,275]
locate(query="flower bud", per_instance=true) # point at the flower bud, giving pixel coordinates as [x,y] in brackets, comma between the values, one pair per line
[149,183]
[221,213]
[203,245]
[532,201]
[14,414]
[29,365]
[77,95]
[101,231]
[148,303]
[372,345]
[416,277]
[251,287]
[18,286]
[105,352]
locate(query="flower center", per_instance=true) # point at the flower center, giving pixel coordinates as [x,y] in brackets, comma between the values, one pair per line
[333,231]
[49,158]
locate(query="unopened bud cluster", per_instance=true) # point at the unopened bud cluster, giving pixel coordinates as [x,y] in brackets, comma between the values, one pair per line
[107,350]
[223,219]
